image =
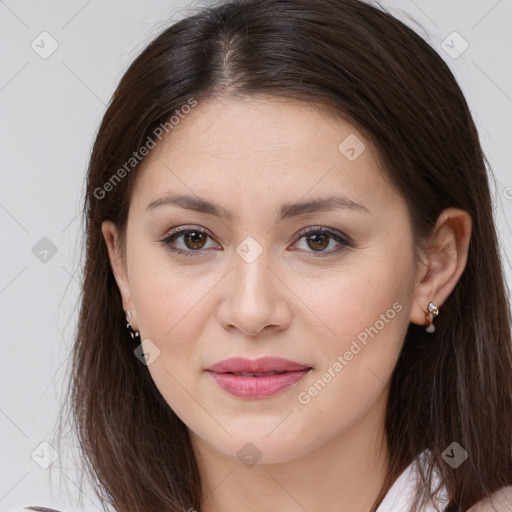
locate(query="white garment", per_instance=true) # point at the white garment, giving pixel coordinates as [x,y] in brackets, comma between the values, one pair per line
[398,499]
[401,495]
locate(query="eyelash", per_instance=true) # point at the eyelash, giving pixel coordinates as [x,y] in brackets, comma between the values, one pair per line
[315,230]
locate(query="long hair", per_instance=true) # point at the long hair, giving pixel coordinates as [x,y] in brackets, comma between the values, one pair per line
[364,66]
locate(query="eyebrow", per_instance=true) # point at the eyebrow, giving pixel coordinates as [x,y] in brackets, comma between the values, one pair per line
[286,210]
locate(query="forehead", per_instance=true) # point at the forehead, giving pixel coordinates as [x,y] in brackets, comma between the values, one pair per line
[263,145]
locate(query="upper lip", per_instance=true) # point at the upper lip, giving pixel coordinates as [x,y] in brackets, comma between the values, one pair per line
[261,365]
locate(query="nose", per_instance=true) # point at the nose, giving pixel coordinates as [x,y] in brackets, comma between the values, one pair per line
[254,298]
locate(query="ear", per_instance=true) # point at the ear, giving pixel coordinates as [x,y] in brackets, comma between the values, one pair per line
[444,261]
[118,265]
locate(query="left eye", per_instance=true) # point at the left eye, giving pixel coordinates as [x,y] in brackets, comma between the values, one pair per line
[194,240]
[320,239]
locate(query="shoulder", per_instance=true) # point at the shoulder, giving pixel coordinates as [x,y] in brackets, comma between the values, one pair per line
[500,501]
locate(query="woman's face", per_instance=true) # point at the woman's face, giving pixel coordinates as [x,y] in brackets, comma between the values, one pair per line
[336,301]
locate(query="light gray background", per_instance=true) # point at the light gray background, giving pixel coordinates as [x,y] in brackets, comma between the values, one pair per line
[50,110]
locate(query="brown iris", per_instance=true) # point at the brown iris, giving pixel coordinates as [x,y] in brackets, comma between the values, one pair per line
[318,245]
[197,238]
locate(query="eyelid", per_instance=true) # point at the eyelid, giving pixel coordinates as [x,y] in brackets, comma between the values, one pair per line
[322,229]
[343,240]
[185,228]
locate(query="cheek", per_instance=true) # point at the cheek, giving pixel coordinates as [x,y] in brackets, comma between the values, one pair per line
[344,303]
[360,322]
[173,302]
[171,307]
[168,296]
[355,363]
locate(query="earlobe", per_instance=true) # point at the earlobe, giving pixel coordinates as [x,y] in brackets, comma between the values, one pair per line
[445,260]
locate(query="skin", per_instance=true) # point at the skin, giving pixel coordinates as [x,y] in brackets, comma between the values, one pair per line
[250,156]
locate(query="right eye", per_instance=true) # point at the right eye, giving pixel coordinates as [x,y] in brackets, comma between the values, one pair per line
[194,239]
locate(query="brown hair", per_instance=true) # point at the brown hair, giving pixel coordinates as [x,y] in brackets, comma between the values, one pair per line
[362,64]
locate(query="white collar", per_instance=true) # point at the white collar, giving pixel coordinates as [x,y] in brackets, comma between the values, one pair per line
[400,497]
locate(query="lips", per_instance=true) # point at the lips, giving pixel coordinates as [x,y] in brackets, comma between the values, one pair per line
[258,367]
[260,378]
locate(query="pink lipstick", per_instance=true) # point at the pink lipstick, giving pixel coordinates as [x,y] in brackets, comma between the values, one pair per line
[258,378]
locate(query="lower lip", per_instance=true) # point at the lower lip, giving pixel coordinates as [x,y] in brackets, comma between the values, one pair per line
[257,387]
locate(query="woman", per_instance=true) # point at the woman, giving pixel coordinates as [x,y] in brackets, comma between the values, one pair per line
[289,202]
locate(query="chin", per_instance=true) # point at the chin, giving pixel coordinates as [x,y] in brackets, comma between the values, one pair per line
[250,449]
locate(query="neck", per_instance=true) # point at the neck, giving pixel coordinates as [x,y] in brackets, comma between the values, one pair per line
[345,473]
